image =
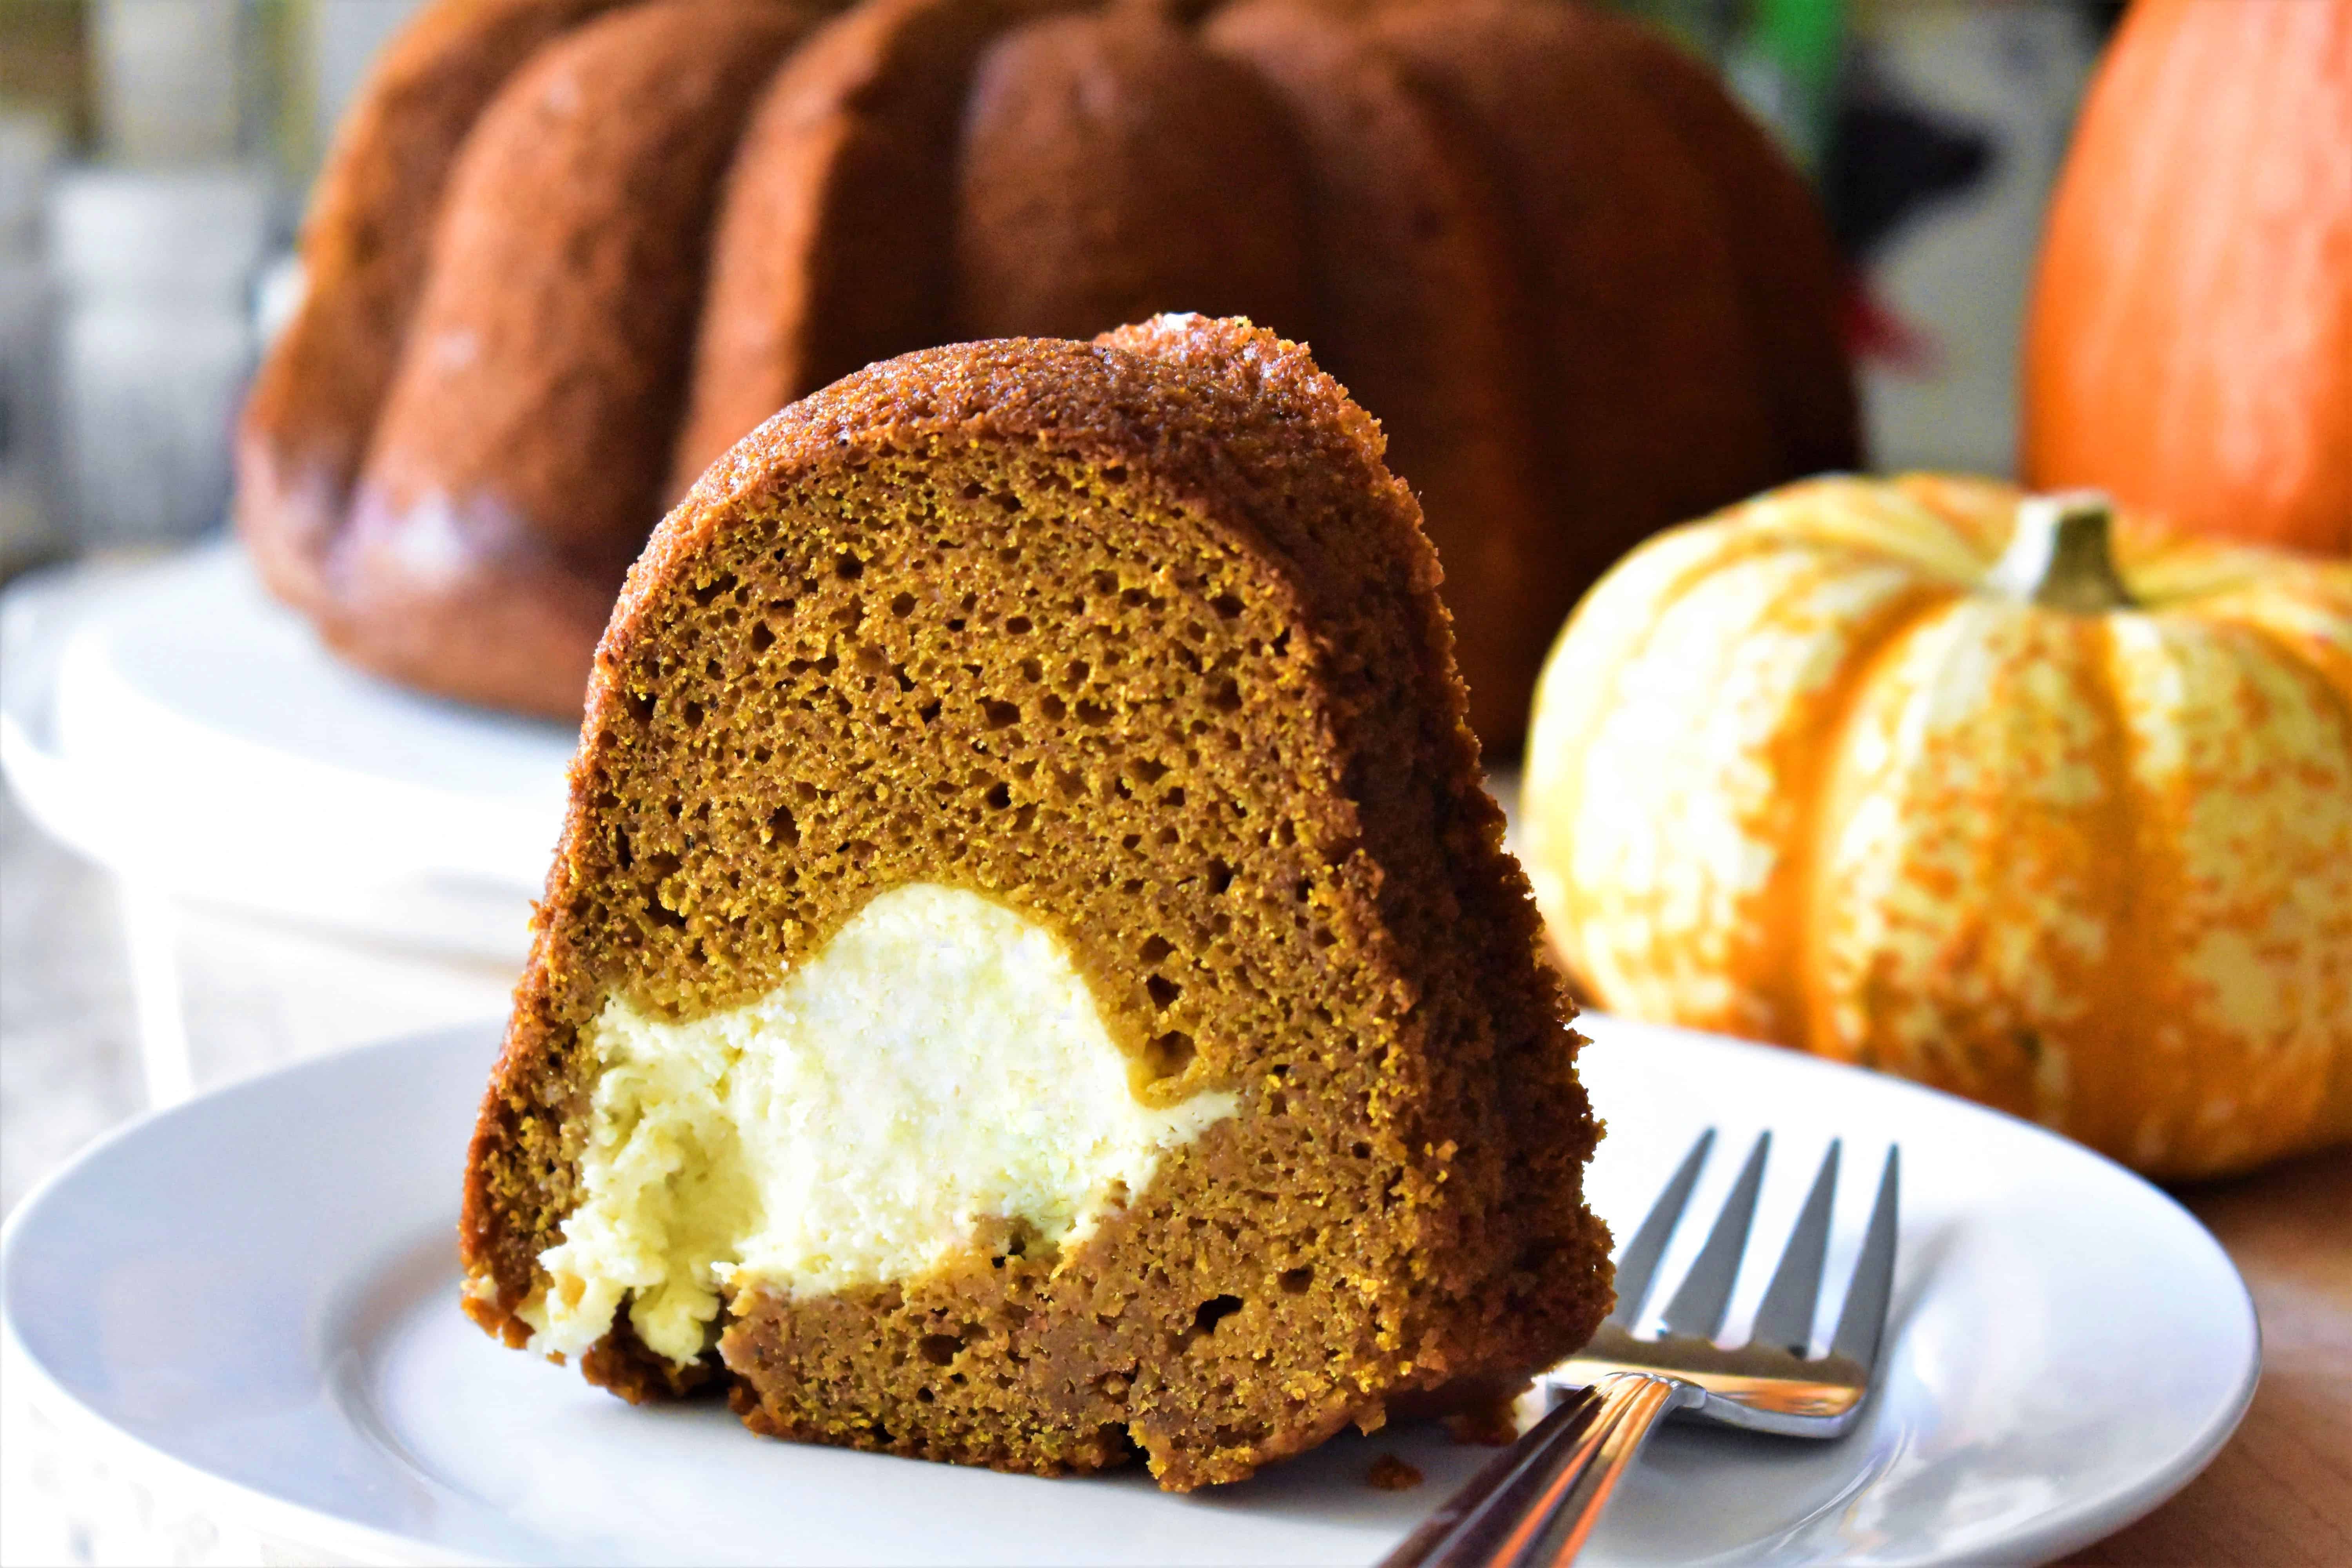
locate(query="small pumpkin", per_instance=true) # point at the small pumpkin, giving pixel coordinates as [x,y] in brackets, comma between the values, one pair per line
[1989,791]
[2189,346]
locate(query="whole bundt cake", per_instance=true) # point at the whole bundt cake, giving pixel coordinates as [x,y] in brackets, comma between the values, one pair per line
[566,252]
[1031,975]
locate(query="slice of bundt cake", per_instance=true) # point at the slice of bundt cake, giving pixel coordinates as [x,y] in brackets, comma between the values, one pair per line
[568,252]
[1030,973]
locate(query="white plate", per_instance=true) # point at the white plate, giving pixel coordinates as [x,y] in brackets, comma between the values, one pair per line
[257,1292]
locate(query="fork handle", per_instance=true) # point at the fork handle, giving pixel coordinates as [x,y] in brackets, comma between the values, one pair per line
[1534,1505]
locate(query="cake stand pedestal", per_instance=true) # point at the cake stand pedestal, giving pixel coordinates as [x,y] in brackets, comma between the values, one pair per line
[305,856]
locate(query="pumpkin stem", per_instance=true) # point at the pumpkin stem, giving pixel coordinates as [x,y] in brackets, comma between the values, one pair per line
[2062,554]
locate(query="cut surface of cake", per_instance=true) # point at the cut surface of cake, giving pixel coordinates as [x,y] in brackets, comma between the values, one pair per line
[1031,975]
[566,253]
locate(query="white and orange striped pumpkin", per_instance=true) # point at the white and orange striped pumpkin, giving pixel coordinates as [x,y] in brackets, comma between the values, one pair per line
[1922,774]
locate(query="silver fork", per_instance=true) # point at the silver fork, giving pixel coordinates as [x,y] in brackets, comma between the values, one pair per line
[1536,1503]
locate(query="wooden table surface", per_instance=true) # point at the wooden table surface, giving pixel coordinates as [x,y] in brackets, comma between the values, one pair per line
[2279,1492]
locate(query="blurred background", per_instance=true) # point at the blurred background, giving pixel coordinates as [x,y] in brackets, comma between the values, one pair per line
[156,155]
[155,161]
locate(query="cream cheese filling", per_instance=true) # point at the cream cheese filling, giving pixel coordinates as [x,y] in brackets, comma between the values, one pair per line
[937,1070]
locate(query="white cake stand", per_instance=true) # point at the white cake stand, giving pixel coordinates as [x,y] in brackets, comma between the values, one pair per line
[369,852]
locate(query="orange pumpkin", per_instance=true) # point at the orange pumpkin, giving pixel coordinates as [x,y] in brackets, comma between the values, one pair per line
[2190,347]
[1922,775]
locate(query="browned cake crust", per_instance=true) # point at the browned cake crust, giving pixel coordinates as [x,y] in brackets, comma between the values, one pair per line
[1790,277]
[306,423]
[1111,169]
[1140,639]
[1649,379]
[1419,313]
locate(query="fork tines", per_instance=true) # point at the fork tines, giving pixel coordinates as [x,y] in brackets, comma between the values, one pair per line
[1785,1319]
